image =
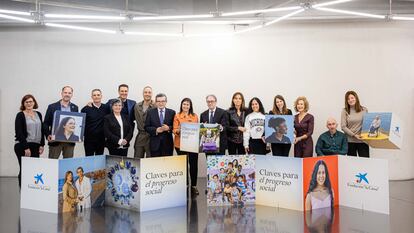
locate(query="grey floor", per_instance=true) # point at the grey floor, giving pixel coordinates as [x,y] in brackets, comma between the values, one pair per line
[196,217]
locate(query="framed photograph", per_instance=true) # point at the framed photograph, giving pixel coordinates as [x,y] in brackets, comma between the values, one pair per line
[209,138]
[68,126]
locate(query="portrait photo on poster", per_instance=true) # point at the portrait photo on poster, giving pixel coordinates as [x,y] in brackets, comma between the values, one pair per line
[68,126]
[320,176]
[279,129]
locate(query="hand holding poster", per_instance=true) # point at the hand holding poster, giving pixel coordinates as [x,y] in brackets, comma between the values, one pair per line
[189,137]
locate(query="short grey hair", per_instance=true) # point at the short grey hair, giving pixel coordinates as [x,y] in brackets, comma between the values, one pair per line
[211,95]
[160,95]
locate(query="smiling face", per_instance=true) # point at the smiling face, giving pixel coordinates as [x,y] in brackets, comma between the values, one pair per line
[321,175]
[161,102]
[186,106]
[79,172]
[70,126]
[255,106]
[117,107]
[237,101]
[147,94]
[300,106]
[280,104]
[351,100]
[28,104]
[97,97]
[67,94]
[69,177]
[123,93]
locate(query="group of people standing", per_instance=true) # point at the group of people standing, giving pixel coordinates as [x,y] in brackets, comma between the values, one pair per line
[112,125]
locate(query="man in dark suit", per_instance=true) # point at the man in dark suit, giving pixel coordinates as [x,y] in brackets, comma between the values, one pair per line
[217,115]
[127,104]
[159,125]
[55,148]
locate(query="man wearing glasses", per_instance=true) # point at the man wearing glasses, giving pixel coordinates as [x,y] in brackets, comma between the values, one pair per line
[159,125]
[217,115]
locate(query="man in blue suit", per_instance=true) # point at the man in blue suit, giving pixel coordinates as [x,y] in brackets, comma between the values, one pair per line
[127,104]
[159,125]
[55,148]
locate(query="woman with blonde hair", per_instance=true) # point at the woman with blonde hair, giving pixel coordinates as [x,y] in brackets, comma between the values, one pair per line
[304,124]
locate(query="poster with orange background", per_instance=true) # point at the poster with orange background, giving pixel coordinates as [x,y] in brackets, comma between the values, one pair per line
[332,171]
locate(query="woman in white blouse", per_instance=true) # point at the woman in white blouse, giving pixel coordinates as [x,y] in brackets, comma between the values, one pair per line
[118,130]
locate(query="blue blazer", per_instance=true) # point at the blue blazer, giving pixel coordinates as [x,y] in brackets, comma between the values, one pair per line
[51,109]
[164,139]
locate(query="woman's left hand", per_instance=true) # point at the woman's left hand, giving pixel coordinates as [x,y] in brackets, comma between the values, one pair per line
[298,139]
[41,149]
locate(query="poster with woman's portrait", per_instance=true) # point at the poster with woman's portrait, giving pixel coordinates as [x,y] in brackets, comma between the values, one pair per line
[279,129]
[320,182]
[68,126]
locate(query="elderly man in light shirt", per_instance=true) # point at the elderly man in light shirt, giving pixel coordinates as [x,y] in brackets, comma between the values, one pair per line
[84,187]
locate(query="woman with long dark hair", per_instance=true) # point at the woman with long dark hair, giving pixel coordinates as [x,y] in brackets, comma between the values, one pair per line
[254,141]
[320,193]
[70,194]
[280,108]
[186,115]
[66,130]
[235,130]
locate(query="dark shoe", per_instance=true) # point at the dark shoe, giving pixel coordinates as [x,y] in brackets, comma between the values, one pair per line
[194,190]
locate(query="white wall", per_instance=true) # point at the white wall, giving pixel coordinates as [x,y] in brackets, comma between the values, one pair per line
[319,60]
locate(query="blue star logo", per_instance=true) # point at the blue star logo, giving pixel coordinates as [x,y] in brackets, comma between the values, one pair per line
[362,177]
[38,178]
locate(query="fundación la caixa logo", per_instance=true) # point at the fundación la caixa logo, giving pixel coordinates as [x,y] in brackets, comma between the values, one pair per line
[362,182]
[39,183]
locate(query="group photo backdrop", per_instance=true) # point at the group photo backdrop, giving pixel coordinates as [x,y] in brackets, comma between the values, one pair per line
[319,61]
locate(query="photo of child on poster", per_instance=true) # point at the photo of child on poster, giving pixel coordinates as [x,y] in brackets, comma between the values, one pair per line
[231,180]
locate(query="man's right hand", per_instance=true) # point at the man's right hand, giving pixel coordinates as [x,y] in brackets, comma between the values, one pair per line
[49,138]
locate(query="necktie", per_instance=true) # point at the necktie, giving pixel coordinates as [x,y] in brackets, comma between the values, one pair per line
[161,116]
[211,117]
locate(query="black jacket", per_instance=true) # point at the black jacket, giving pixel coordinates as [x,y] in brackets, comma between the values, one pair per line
[152,122]
[233,133]
[220,117]
[112,130]
[47,124]
[21,130]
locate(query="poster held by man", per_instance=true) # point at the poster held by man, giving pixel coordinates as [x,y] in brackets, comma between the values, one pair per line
[68,126]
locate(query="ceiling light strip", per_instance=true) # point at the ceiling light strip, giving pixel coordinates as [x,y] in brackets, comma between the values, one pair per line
[251,12]
[3,11]
[284,17]
[103,17]
[80,28]
[17,18]
[402,18]
[153,34]
[146,18]
[330,3]
[351,13]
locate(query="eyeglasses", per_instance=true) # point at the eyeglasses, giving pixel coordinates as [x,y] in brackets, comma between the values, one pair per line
[161,101]
[211,101]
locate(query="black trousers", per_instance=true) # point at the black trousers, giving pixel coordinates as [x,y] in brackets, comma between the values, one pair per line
[118,151]
[279,149]
[192,161]
[361,149]
[96,147]
[19,150]
[236,148]
[257,146]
